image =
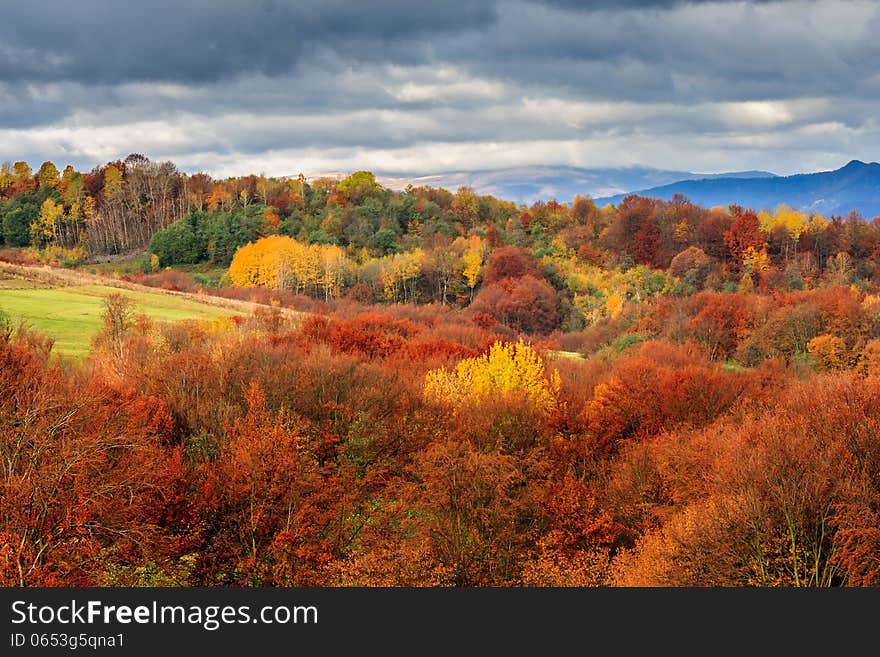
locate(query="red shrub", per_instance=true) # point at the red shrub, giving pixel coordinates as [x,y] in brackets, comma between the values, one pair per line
[511,262]
[525,304]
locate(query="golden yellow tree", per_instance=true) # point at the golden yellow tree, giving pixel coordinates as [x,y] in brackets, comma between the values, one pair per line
[332,276]
[48,174]
[473,262]
[266,262]
[754,261]
[6,176]
[614,305]
[278,261]
[794,222]
[869,360]
[399,273]
[45,228]
[507,369]
[112,181]
[829,351]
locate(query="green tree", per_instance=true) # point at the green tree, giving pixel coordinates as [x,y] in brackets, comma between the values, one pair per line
[180,242]
[359,186]
[18,215]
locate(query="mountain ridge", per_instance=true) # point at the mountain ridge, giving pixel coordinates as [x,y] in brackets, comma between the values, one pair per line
[854,186]
[528,184]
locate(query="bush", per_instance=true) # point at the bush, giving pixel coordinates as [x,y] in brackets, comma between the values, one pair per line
[525,304]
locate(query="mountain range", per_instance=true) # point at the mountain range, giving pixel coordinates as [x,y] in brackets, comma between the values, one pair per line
[531,183]
[855,186]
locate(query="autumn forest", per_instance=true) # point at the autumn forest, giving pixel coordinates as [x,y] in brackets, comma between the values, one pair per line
[438,388]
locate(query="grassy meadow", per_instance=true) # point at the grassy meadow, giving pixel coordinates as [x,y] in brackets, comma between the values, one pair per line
[72,315]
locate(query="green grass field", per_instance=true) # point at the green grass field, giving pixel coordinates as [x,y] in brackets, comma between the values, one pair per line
[72,315]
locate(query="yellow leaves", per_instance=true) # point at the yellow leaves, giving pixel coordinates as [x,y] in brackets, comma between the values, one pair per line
[332,270]
[614,305]
[869,361]
[265,262]
[277,261]
[829,351]
[45,228]
[89,209]
[6,176]
[112,181]
[746,284]
[818,223]
[509,369]
[22,170]
[473,261]
[48,175]
[754,261]
[682,231]
[398,271]
[793,221]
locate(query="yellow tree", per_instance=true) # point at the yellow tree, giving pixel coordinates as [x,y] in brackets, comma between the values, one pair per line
[793,222]
[473,262]
[509,369]
[48,174]
[45,228]
[613,305]
[306,266]
[829,351]
[755,262]
[6,176]
[277,261]
[22,171]
[466,206]
[399,273]
[112,181]
[268,262]
[332,275]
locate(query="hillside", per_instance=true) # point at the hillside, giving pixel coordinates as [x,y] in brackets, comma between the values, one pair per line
[855,186]
[67,306]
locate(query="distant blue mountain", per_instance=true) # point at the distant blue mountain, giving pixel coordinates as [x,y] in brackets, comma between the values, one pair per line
[532,183]
[855,186]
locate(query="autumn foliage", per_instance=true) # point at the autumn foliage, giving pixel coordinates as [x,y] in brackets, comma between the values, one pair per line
[443,389]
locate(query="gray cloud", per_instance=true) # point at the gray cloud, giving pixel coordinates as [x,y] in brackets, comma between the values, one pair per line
[202,40]
[284,87]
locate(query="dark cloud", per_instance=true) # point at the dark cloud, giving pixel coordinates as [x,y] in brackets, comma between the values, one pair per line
[202,40]
[730,84]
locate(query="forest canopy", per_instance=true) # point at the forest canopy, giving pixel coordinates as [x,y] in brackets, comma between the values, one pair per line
[440,388]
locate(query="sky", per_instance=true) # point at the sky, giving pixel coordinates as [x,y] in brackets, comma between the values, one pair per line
[314,86]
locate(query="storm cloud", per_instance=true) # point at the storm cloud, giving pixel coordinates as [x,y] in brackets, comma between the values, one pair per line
[394,86]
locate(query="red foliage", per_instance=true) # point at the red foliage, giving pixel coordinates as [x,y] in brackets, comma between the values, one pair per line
[511,262]
[525,304]
[744,233]
[720,321]
[659,387]
[82,469]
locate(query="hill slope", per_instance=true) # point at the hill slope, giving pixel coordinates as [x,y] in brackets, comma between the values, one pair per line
[855,186]
[67,305]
